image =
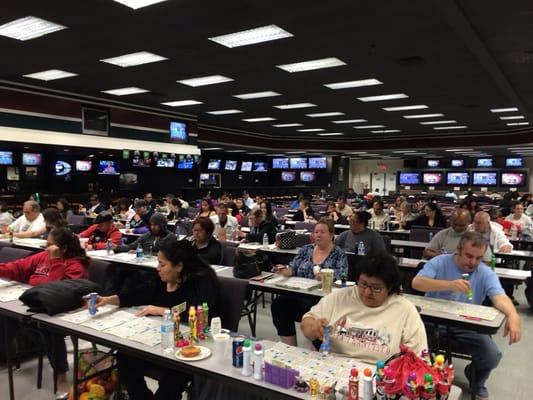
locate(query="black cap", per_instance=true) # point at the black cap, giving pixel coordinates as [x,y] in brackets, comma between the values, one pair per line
[103,217]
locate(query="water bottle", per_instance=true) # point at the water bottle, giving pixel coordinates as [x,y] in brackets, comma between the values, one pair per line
[128,225]
[514,232]
[430,236]
[265,240]
[178,231]
[361,251]
[108,246]
[167,332]
[139,253]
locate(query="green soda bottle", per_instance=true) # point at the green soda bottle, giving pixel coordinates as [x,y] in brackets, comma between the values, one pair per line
[492,262]
[205,316]
[466,277]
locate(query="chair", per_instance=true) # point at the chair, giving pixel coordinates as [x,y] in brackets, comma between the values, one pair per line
[74,219]
[8,254]
[353,260]
[302,239]
[228,255]
[191,212]
[421,234]
[231,302]
[309,226]
[4,244]
[99,271]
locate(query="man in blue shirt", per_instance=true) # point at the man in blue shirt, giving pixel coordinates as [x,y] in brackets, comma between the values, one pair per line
[441,277]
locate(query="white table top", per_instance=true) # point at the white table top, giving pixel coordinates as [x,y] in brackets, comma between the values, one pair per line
[33,243]
[129,232]
[408,243]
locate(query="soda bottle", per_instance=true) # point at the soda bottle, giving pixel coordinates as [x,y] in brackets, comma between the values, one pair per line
[199,320]
[205,316]
[192,325]
[492,262]
[466,277]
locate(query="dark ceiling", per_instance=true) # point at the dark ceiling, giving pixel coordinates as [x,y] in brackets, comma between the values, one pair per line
[460,58]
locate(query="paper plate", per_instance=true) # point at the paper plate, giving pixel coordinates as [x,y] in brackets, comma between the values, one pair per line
[204,353]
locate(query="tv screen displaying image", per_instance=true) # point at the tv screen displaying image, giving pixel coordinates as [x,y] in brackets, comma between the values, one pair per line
[213,165]
[127,180]
[260,166]
[84,166]
[457,162]
[432,178]
[186,163]
[307,176]
[6,158]
[231,165]
[514,162]
[280,163]
[484,162]
[246,166]
[298,163]
[513,178]
[484,178]
[62,168]
[107,167]
[457,178]
[318,162]
[143,160]
[178,132]
[210,179]
[433,163]
[31,159]
[409,178]
[165,162]
[288,176]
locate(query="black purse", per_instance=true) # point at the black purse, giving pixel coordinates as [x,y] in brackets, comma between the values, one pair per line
[287,240]
[250,263]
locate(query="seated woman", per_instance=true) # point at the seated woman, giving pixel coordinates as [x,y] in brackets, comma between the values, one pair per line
[266,209]
[209,249]
[258,227]
[305,212]
[286,310]
[432,217]
[374,305]
[183,278]
[63,259]
[206,209]
[124,210]
[63,207]
[331,212]
[177,212]
[53,219]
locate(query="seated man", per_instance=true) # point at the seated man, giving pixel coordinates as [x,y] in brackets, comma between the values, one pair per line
[150,202]
[141,220]
[31,224]
[225,225]
[446,240]
[94,207]
[493,234]
[258,228]
[349,240]
[518,218]
[343,209]
[441,278]
[102,230]
[152,241]
[374,305]
[379,217]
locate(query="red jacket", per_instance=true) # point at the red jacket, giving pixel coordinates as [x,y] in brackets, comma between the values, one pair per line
[98,239]
[40,268]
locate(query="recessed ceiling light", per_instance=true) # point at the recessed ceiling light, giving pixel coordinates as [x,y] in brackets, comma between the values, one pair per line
[349,121]
[370,155]
[458,150]
[50,75]
[357,152]
[312,65]
[251,36]
[325,114]
[224,112]
[383,97]
[512,117]
[517,123]
[205,80]
[406,108]
[414,116]
[181,103]
[125,91]
[501,110]
[448,121]
[387,131]
[235,151]
[136,4]
[404,151]
[521,148]
[286,125]
[29,28]
[256,95]
[295,105]
[369,126]
[133,59]
[311,130]
[212,148]
[352,84]
[330,134]
[440,128]
[260,119]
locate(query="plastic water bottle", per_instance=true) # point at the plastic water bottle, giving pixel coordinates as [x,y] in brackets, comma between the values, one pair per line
[178,231]
[361,251]
[265,240]
[258,362]
[430,236]
[128,225]
[246,358]
[167,332]
[139,253]
[108,246]
[514,232]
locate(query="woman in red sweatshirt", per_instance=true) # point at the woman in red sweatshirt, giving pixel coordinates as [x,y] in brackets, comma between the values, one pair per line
[63,259]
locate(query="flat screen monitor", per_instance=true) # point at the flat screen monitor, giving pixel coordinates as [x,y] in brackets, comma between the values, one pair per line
[84,166]
[433,163]
[514,162]
[210,179]
[432,178]
[457,162]
[484,162]
[213,165]
[457,178]
[511,178]
[95,121]
[280,163]
[31,159]
[246,166]
[127,180]
[165,162]
[231,165]
[108,167]
[298,163]
[143,159]
[409,178]
[485,178]
[318,162]
[307,176]
[178,132]
[6,158]
[186,163]
[260,166]
[62,168]
[288,176]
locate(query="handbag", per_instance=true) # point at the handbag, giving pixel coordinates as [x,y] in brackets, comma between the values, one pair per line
[287,240]
[250,263]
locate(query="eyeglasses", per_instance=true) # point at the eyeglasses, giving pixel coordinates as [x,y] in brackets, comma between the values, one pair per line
[373,288]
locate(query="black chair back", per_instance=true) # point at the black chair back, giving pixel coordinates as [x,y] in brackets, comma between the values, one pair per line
[8,254]
[99,271]
[230,303]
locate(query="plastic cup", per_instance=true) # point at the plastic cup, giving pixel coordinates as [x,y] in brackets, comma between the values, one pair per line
[326,275]
[221,345]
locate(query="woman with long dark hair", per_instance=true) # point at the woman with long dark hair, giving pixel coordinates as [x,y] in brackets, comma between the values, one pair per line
[63,206]
[206,209]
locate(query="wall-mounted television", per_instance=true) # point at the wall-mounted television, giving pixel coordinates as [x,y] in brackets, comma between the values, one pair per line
[432,178]
[84,166]
[62,168]
[318,162]
[485,178]
[178,132]
[432,163]
[246,166]
[513,178]
[484,162]
[186,163]
[280,163]
[108,167]
[457,162]
[298,163]
[6,158]
[288,176]
[457,178]
[260,166]
[95,121]
[32,159]
[127,180]
[307,176]
[165,163]
[209,179]
[514,162]
[213,165]
[231,165]
[409,178]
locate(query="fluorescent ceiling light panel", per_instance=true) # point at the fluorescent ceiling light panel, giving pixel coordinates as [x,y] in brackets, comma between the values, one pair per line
[387,131]
[325,114]
[256,95]
[512,117]
[406,108]
[458,150]
[312,65]
[440,128]
[205,80]
[357,152]
[404,151]
[125,91]
[235,151]
[136,4]
[133,59]
[311,130]
[369,126]
[295,105]
[212,148]
[501,110]
[256,153]
[352,84]
[517,123]
[50,75]
[29,28]
[448,121]
[224,112]
[286,125]
[415,116]
[349,121]
[330,134]
[260,119]
[251,36]
[383,97]
[181,103]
